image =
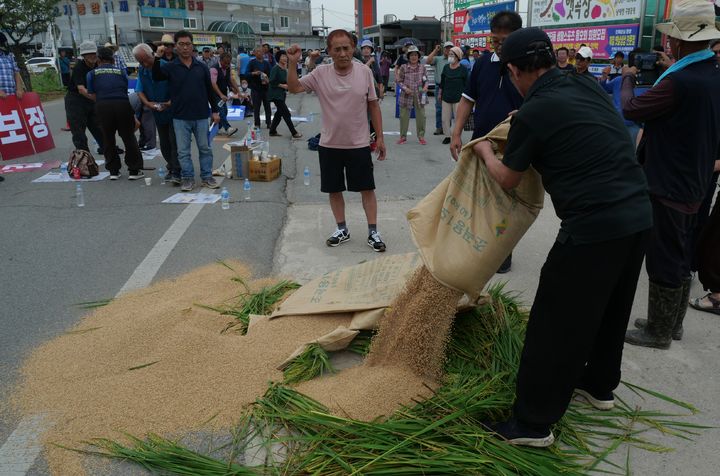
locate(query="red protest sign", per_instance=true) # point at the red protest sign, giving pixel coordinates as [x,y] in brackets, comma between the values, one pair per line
[14,138]
[23,127]
[36,123]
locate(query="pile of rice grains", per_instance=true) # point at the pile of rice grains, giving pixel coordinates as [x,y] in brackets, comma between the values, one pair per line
[154,362]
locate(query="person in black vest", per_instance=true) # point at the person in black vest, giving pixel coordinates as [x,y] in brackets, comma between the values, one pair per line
[222,81]
[258,74]
[109,85]
[574,338]
[678,149]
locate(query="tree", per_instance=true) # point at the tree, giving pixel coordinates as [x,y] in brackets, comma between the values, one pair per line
[21,20]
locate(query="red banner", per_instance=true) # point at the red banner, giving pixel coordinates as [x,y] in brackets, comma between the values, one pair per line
[459,19]
[23,127]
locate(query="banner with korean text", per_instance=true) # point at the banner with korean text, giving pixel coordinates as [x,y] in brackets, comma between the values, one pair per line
[553,13]
[605,41]
[477,20]
[23,127]
[481,41]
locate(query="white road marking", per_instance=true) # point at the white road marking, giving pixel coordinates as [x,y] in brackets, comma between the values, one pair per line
[23,446]
[19,452]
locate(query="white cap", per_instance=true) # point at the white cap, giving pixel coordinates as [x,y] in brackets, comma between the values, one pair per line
[367,43]
[585,52]
[87,47]
[448,44]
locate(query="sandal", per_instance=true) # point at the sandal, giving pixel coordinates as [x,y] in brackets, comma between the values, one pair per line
[714,308]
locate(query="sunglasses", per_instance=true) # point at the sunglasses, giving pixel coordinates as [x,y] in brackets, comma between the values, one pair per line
[580,58]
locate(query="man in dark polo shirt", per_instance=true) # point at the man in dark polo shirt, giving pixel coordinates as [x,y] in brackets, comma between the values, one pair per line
[490,95]
[574,337]
[678,149]
[79,104]
[190,91]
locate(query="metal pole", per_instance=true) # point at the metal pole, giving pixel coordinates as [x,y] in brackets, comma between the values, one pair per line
[641,33]
[142,38]
[529,12]
[78,22]
[657,12]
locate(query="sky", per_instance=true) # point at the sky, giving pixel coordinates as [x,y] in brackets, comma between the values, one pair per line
[341,13]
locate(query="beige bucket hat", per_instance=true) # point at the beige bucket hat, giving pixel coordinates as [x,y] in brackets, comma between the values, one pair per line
[691,20]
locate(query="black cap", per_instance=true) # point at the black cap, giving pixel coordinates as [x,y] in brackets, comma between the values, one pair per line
[517,44]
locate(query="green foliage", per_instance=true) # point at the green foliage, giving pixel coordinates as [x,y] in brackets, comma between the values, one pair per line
[20,20]
[259,303]
[443,434]
[47,81]
[313,362]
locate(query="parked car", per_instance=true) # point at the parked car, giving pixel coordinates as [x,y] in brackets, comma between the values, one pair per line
[39,65]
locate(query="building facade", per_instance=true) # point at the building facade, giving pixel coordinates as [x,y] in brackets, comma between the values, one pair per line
[234,22]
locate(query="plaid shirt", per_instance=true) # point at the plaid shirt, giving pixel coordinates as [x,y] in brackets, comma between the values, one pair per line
[8,68]
[120,62]
[411,78]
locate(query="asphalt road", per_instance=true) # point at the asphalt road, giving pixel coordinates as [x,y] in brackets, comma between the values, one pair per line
[54,255]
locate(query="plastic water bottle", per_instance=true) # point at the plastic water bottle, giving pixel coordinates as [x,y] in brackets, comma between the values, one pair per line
[63,169]
[161,175]
[306,175]
[424,98]
[225,198]
[246,189]
[257,134]
[311,117]
[248,133]
[79,195]
[265,151]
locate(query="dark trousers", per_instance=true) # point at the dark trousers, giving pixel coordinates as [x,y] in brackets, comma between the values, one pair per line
[577,325]
[669,250]
[118,117]
[147,128]
[282,113]
[702,218]
[259,98]
[708,254]
[168,147]
[80,113]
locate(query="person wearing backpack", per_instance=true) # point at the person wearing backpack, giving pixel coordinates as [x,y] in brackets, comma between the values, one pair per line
[108,84]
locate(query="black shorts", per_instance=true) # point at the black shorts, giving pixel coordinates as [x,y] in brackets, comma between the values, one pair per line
[338,164]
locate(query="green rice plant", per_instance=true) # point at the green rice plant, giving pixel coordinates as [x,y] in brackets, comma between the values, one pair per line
[445,433]
[361,343]
[312,362]
[159,454]
[94,304]
[261,303]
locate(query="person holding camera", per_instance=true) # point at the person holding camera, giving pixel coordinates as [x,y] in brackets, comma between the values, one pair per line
[678,149]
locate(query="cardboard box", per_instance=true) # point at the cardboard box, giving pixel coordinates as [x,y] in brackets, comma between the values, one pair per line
[239,157]
[265,171]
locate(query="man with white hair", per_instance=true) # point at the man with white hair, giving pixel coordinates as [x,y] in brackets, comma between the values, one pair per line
[156,97]
[678,149]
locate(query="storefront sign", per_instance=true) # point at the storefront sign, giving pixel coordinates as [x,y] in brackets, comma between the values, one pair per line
[202,39]
[477,20]
[460,4]
[553,13]
[605,41]
[480,41]
[163,12]
[23,127]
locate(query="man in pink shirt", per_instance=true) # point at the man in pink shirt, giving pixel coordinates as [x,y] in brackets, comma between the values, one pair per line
[346,91]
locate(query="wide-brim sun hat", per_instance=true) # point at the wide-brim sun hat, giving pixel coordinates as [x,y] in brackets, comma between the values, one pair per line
[413,49]
[691,20]
[87,47]
[367,44]
[166,38]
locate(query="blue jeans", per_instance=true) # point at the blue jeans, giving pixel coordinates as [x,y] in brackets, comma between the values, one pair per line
[438,108]
[224,124]
[184,130]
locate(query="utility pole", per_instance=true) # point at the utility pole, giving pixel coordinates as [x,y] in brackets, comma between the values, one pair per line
[322,18]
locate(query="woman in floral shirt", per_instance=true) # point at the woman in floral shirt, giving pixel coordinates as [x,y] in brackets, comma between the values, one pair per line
[411,84]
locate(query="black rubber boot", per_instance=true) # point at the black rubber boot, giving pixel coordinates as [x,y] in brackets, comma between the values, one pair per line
[662,313]
[677,332]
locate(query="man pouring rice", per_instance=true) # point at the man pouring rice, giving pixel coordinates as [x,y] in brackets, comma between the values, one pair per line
[574,339]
